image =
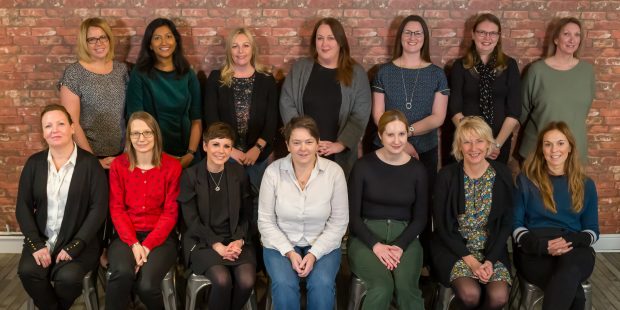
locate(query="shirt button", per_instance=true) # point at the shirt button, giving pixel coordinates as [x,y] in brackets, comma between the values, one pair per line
[144,181]
[143,207]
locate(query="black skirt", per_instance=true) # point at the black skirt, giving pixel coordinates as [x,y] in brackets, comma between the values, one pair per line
[203,257]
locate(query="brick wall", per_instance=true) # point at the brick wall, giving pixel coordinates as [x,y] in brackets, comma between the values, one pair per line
[37,39]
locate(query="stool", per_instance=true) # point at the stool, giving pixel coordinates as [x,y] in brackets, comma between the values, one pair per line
[89,293]
[358,292]
[444,297]
[532,296]
[269,304]
[195,283]
[168,288]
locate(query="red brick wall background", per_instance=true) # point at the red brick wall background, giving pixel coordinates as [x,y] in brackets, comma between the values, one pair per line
[37,39]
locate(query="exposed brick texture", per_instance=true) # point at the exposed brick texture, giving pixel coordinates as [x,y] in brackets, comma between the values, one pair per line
[37,41]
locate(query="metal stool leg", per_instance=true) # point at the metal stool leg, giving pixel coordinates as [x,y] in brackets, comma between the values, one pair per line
[358,292]
[168,290]
[195,283]
[445,295]
[89,291]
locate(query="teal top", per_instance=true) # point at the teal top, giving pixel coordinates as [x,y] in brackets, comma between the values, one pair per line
[173,101]
[556,95]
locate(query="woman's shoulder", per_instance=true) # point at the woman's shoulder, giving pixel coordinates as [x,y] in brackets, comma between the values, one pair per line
[120,161]
[169,162]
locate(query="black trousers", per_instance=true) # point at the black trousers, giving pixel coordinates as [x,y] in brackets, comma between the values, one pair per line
[559,277]
[147,282]
[430,160]
[67,277]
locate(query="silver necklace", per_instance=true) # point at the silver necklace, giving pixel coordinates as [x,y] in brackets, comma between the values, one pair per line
[408,102]
[217,184]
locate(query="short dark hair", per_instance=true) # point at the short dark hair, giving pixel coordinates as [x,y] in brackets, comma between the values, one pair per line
[218,130]
[303,122]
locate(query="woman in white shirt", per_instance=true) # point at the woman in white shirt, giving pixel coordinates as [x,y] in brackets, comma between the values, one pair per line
[302,216]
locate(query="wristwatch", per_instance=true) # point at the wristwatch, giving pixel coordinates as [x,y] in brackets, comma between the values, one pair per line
[259,147]
[411,129]
[191,152]
[497,145]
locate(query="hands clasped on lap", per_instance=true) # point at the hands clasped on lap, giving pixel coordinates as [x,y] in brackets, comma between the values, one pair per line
[303,266]
[389,255]
[229,252]
[559,246]
[43,257]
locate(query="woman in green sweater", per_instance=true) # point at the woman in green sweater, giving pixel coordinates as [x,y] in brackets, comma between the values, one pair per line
[164,85]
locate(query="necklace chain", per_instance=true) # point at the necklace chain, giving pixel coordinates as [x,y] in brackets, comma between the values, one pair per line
[217,184]
[408,102]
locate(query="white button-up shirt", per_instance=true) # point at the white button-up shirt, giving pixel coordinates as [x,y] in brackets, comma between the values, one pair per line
[317,216]
[57,190]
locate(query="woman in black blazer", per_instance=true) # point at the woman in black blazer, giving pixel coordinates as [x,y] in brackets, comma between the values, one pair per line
[243,95]
[216,204]
[61,204]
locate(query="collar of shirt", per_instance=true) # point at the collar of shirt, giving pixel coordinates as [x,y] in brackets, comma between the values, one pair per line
[72,158]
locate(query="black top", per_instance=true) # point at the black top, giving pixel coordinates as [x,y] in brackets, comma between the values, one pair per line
[220,216]
[322,100]
[263,119]
[378,190]
[465,93]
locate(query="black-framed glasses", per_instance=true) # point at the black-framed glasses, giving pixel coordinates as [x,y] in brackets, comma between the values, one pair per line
[136,134]
[416,34]
[492,34]
[102,39]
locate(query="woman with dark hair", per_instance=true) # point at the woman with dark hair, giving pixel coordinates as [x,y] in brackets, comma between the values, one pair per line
[217,207]
[388,210]
[331,88]
[558,88]
[164,85]
[144,185]
[61,204]
[556,219]
[302,216]
[486,83]
[472,215]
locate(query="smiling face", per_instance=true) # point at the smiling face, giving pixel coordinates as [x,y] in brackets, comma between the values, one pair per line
[485,36]
[556,148]
[241,50]
[163,42]
[412,38]
[394,137]
[302,146]
[327,47]
[142,137]
[474,148]
[568,40]
[57,131]
[218,151]
[98,43]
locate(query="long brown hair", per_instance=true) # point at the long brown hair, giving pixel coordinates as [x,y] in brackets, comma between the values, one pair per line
[228,70]
[425,53]
[157,140]
[535,169]
[344,72]
[556,31]
[472,57]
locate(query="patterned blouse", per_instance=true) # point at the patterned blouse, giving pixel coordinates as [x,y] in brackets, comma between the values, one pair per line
[242,98]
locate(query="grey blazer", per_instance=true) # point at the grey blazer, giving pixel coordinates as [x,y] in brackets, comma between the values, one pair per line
[354,111]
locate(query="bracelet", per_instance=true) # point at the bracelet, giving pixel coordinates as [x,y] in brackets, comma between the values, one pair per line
[189,151]
[135,244]
[259,147]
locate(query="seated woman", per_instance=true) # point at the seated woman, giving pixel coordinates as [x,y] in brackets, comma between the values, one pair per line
[302,216]
[61,204]
[144,185]
[472,215]
[216,204]
[388,205]
[556,219]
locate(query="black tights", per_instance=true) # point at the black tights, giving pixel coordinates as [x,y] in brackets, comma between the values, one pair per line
[469,290]
[225,295]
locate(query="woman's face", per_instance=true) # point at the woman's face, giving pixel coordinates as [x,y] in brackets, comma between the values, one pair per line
[98,43]
[412,38]
[568,40]
[555,149]
[485,36]
[57,131]
[474,148]
[163,42]
[142,136]
[302,146]
[241,50]
[218,150]
[394,137]
[327,47]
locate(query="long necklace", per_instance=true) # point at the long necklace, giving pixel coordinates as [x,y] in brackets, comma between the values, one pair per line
[217,184]
[408,102]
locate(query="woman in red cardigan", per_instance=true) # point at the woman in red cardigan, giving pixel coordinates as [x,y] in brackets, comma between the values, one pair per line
[144,185]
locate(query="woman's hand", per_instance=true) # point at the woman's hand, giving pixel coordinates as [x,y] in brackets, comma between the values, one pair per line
[487,267]
[139,254]
[296,260]
[238,156]
[106,162]
[307,263]
[410,149]
[62,256]
[387,256]
[559,246]
[494,152]
[477,268]
[327,148]
[250,156]
[186,160]
[42,257]
[226,252]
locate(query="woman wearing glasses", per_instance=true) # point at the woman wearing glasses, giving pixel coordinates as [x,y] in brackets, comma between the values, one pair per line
[486,83]
[144,185]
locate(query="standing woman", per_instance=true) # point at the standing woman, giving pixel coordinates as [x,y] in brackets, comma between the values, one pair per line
[331,88]
[243,95]
[61,204]
[556,220]
[302,216]
[486,83]
[93,91]
[388,210]
[217,207]
[164,85]
[472,217]
[144,185]
[559,88]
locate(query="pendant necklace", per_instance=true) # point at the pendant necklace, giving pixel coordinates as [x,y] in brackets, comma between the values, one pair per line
[408,102]
[217,184]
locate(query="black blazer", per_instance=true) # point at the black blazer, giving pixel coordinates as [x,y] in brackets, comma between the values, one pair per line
[263,121]
[194,205]
[448,244]
[85,211]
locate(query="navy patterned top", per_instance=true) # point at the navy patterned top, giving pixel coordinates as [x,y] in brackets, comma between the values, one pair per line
[418,86]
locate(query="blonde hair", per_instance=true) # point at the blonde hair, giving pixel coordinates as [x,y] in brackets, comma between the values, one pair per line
[536,170]
[471,125]
[82,45]
[558,26]
[157,140]
[228,70]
